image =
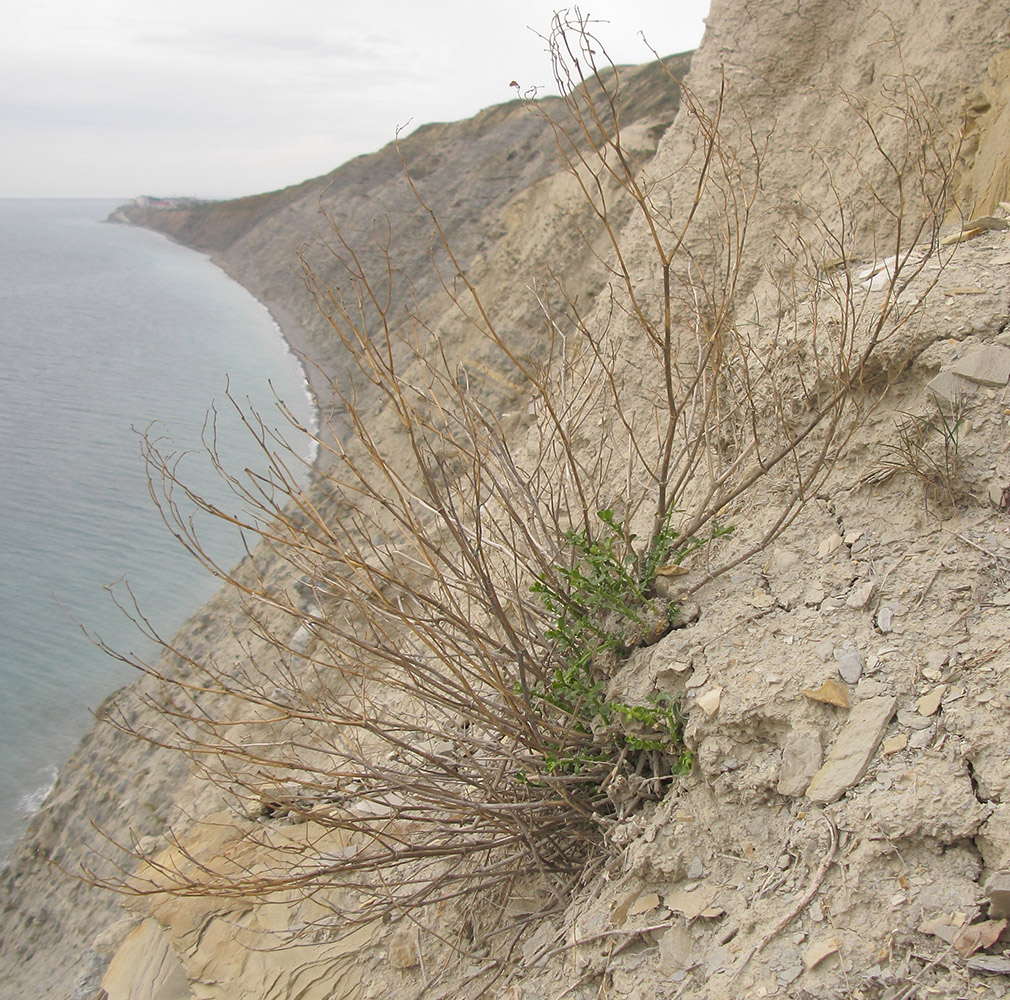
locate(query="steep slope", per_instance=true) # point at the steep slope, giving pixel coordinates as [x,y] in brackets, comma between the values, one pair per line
[485,178]
[844,691]
[497,185]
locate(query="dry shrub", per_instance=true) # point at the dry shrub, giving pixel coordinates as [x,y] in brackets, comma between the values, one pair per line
[430,696]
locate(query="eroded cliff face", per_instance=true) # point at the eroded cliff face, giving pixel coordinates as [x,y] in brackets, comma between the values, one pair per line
[494,182]
[844,690]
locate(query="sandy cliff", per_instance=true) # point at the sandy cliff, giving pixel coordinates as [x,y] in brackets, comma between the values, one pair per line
[846,690]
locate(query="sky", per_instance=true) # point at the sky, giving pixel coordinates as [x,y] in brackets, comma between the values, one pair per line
[222,98]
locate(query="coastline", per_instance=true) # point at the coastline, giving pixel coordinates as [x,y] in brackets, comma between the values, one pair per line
[109,792]
[33,792]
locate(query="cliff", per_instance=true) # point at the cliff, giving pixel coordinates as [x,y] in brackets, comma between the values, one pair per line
[488,179]
[843,830]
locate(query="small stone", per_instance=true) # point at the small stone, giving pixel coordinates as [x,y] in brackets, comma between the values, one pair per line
[997,888]
[788,976]
[850,666]
[403,948]
[692,903]
[860,595]
[801,758]
[894,744]
[829,545]
[929,703]
[945,927]
[947,388]
[709,701]
[820,950]
[998,964]
[814,595]
[922,739]
[676,950]
[830,693]
[870,688]
[931,673]
[825,649]
[974,937]
[911,719]
[643,904]
[853,750]
[885,617]
[761,599]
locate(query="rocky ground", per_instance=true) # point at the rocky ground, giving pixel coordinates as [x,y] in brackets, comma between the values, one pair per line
[843,832]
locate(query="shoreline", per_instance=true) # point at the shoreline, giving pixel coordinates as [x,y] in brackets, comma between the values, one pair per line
[296,338]
[33,796]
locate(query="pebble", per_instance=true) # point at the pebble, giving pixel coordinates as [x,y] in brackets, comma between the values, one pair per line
[801,758]
[789,976]
[819,951]
[997,888]
[921,739]
[814,595]
[868,688]
[929,703]
[860,595]
[894,744]
[709,701]
[829,545]
[912,720]
[885,617]
[850,666]
[830,693]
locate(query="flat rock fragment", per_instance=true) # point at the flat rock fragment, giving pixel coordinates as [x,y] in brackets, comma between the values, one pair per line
[691,902]
[830,693]
[643,904]
[947,388]
[997,964]
[819,951]
[801,757]
[988,366]
[894,744]
[850,666]
[860,595]
[853,750]
[709,701]
[929,703]
[974,937]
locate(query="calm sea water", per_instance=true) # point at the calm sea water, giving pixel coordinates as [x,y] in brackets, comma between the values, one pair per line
[104,328]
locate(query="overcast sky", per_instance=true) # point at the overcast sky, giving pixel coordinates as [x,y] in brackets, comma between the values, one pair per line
[220,98]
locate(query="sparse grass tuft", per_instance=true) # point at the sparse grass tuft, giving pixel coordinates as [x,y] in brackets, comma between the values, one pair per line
[928,447]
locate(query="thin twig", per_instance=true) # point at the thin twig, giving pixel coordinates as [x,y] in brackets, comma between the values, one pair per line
[801,903]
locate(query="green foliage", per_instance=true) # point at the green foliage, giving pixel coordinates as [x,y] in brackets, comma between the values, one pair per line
[596,600]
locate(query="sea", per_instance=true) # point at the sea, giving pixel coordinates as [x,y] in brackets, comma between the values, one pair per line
[108,332]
